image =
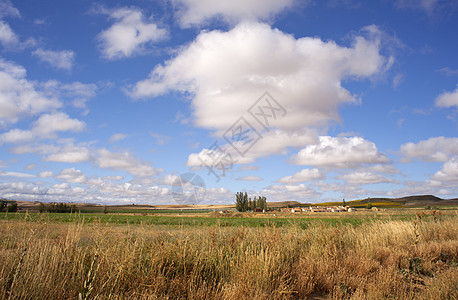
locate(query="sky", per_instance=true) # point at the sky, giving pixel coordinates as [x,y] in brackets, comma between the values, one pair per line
[126,102]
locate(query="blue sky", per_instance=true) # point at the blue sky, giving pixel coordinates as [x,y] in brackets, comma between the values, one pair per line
[312,101]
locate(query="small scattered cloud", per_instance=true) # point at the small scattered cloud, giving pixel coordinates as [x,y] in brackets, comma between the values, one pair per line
[8,10]
[63,60]
[117,137]
[30,166]
[7,36]
[46,127]
[71,175]
[340,152]
[361,177]
[160,139]
[250,178]
[303,175]
[430,7]
[17,174]
[104,158]
[434,149]
[77,93]
[448,99]
[20,97]
[397,80]
[46,174]
[131,34]
[449,171]
[449,72]
[248,168]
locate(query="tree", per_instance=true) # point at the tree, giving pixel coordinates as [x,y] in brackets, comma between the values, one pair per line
[239,202]
[245,202]
[12,207]
[264,203]
[343,202]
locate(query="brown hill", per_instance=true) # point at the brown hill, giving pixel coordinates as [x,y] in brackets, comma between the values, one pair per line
[411,201]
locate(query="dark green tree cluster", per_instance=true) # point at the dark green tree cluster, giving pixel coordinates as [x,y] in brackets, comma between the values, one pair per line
[57,208]
[243,203]
[8,207]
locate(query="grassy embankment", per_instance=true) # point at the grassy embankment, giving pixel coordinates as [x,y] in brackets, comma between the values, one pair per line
[385,258]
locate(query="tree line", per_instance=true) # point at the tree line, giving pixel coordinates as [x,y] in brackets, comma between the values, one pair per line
[243,203]
[57,208]
[8,206]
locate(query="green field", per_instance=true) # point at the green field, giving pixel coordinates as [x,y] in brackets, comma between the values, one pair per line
[196,218]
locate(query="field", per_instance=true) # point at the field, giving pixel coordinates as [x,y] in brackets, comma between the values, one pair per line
[397,254]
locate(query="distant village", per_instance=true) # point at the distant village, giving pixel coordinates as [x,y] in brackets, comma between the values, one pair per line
[318,209]
[310,209]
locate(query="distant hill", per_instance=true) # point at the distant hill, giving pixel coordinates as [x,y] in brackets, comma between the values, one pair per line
[408,201]
[286,204]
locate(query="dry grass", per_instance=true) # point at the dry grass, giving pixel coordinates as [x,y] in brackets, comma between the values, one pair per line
[386,259]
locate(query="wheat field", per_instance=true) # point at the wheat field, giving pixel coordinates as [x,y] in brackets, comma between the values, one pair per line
[377,260]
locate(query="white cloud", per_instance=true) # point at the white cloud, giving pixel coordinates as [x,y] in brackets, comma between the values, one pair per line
[30,166]
[58,59]
[196,12]
[46,174]
[48,124]
[169,179]
[361,177]
[72,175]
[433,149]
[383,168]
[124,161]
[160,139]
[250,178]
[272,142]
[69,154]
[7,36]
[7,9]
[448,99]
[130,35]
[248,168]
[302,176]
[430,7]
[303,75]
[117,137]
[17,174]
[65,152]
[45,127]
[301,192]
[340,152]
[20,97]
[449,171]
[77,92]
[16,136]
[447,71]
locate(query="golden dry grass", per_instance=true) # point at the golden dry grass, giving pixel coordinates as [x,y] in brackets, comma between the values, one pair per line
[385,259]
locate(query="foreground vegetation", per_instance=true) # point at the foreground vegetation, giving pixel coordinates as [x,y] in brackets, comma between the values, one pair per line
[413,259]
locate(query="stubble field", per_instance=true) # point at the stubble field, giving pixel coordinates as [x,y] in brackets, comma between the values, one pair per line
[398,254]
